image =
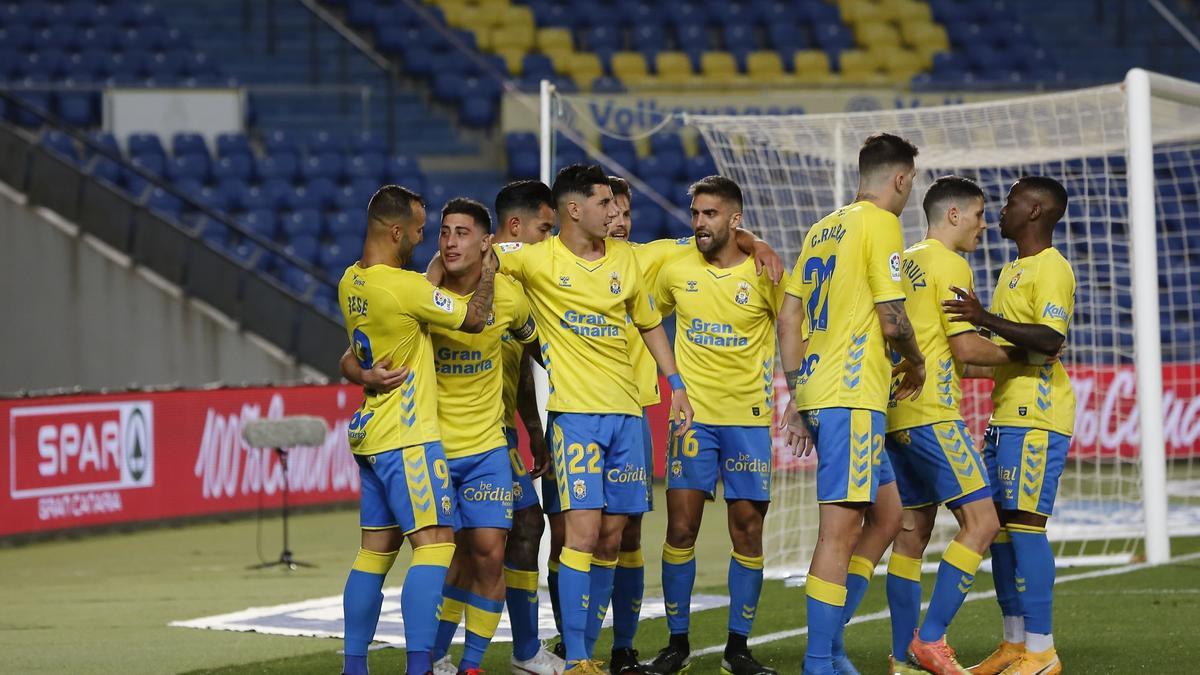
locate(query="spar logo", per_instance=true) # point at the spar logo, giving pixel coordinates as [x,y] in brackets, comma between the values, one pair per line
[70,448]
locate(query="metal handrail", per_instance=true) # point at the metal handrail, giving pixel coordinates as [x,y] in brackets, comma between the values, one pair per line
[53,121]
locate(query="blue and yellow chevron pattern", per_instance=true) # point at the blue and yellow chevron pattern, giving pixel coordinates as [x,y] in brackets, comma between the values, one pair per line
[852,375]
[408,400]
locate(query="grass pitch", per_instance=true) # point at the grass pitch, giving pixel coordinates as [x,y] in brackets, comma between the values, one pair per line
[101,605]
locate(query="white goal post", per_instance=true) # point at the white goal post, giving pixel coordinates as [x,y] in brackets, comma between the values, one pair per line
[1129,155]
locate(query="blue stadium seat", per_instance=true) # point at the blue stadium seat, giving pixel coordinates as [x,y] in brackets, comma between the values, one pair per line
[365,165]
[189,143]
[144,144]
[106,170]
[303,223]
[188,167]
[233,192]
[700,166]
[523,164]
[233,167]
[101,38]
[151,162]
[163,202]
[323,141]
[279,141]
[354,197]
[304,248]
[833,36]
[283,166]
[213,197]
[400,166]
[62,144]
[233,143]
[346,223]
[324,165]
[602,37]
[77,108]
[260,221]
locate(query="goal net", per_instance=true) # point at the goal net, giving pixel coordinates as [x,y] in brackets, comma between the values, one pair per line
[793,170]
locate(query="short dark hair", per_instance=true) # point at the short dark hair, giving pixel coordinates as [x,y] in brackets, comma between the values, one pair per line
[948,190]
[578,179]
[522,195]
[620,187]
[718,186]
[467,206]
[884,151]
[1050,188]
[391,203]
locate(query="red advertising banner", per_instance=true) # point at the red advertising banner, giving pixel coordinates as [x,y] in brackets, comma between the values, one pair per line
[75,461]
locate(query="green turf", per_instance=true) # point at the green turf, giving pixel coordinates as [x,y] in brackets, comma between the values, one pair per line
[102,604]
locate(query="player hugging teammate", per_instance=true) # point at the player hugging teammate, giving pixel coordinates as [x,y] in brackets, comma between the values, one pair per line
[444,360]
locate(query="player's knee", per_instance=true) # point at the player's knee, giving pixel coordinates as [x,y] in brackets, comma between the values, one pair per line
[487,554]
[631,536]
[980,526]
[682,536]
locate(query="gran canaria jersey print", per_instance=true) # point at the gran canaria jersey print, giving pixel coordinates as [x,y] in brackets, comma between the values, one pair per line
[587,311]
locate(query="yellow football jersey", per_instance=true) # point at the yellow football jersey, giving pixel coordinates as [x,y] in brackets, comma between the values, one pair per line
[511,353]
[470,372]
[724,337]
[387,311]
[1039,289]
[650,258]
[849,261]
[581,307]
[927,272]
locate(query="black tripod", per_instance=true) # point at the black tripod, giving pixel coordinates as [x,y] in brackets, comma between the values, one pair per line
[285,557]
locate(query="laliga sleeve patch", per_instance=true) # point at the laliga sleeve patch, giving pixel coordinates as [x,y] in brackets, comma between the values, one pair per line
[509,246]
[443,301]
[894,264]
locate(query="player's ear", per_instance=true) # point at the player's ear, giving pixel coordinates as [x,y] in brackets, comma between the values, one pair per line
[736,221]
[1035,212]
[952,215]
[514,225]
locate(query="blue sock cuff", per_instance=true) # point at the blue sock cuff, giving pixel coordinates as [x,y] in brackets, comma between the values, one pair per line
[455,593]
[484,603]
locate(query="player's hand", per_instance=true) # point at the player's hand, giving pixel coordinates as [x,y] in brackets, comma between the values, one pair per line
[490,262]
[435,272]
[681,413]
[541,455]
[966,308]
[913,381]
[795,432]
[765,258]
[381,378]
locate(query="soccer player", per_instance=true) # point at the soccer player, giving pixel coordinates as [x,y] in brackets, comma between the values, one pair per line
[1033,417]
[725,348]
[524,214]
[583,288]
[845,293]
[934,458]
[395,435]
[470,380]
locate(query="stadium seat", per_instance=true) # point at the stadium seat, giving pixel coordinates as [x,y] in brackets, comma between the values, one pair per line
[303,223]
[858,66]
[367,165]
[583,67]
[479,113]
[811,66]
[607,85]
[872,35]
[281,166]
[630,68]
[673,68]
[279,141]
[144,144]
[551,40]
[163,202]
[900,64]
[766,67]
[327,164]
[233,167]
[77,108]
[188,167]
[719,67]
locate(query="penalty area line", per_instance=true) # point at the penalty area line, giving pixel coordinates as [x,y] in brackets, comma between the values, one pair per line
[982,595]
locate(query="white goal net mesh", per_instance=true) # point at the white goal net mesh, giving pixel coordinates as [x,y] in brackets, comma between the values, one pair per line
[793,170]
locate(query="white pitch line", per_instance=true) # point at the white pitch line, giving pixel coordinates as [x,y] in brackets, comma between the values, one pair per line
[883,614]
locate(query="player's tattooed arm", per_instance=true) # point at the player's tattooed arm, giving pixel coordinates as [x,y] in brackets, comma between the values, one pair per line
[792,346]
[1033,337]
[378,379]
[899,334]
[765,257]
[481,302]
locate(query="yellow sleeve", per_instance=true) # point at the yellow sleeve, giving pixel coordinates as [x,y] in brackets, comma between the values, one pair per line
[522,327]
[638,304]
[664,299]
[512,256]
[957,273]
[794,284]
[883,244]
[775,292]
[1054,294]
[428,304]
[653,255]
